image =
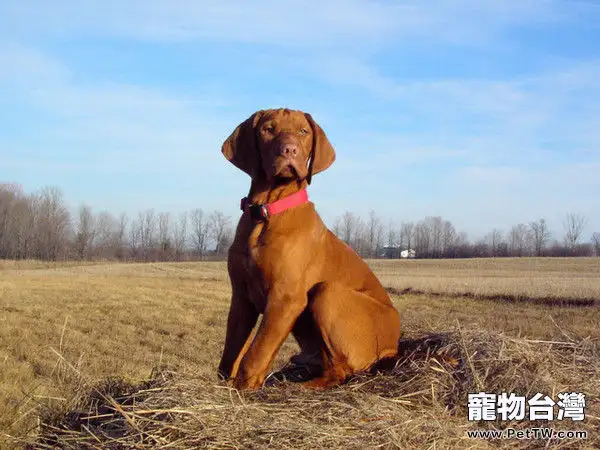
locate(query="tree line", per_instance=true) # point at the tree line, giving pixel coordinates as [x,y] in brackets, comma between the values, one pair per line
[39,225]
[434,237]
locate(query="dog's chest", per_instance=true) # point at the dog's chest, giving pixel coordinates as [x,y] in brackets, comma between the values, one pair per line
[256,272]
[282,250]
[270,253]
[271,247]
[264,251]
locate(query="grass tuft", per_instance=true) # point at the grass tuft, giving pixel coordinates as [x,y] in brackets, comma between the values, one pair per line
[79,343]
[419,401]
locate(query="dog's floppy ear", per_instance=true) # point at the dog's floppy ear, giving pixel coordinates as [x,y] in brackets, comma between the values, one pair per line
[241,146]
[322,154]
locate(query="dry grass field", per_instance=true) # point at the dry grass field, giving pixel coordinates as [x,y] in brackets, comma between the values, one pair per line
[125,356]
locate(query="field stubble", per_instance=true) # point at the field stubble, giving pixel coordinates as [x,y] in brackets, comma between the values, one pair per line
[126,354]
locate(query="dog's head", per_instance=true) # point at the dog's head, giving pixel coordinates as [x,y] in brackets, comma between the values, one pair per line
[279,144]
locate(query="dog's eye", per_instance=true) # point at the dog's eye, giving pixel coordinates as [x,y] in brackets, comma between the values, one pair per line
[303,131]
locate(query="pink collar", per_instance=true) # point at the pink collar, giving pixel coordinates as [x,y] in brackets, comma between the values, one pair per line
[262,211]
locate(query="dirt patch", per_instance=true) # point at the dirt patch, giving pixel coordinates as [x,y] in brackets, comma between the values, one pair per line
[507,298]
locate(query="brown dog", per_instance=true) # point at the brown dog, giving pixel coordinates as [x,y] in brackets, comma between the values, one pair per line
[285,264]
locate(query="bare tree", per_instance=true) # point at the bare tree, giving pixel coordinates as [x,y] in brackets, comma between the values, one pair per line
[540,234]
[374,231]
[422,239]
[348,228]
[596,243]
[164,239]
[378,239]
[147,233]
[433,226]
[135,237]
[518,238]
[360,240]
[85,233]
[407,230]
[24,220]
[200,231]
[574,225]
[225,242]
[436,226]
[220,231]
[119,237]
[337,227]
[10,197]
[53,225]
[391,235]
[495,242]
[180,236]
[461,245]
[351,229]
[449,239]
[106,226]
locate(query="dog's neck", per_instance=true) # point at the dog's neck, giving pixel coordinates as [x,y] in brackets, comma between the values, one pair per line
[263,191]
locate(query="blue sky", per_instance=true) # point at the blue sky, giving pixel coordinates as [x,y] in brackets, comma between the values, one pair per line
[484,112]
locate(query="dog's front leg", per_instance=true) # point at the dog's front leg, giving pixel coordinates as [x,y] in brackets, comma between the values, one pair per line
[240,322]
[282,311]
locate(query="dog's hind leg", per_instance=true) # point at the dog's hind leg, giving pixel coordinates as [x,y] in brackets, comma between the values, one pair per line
[355,329]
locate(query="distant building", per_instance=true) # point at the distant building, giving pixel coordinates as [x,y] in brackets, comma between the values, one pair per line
[390,252]
[410,253]
[396,252]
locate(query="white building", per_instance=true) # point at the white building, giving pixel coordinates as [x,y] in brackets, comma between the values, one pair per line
[410,253]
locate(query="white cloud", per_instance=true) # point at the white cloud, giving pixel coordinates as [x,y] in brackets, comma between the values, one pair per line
[113,127]
[493,131]
[521,117]
[321,22]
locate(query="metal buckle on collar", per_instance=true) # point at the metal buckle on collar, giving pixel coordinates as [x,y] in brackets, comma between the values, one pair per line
[258,212]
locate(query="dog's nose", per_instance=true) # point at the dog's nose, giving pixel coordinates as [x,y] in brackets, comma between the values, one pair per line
[288,150]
